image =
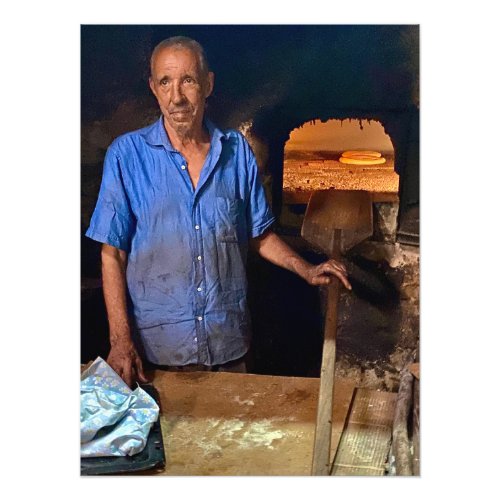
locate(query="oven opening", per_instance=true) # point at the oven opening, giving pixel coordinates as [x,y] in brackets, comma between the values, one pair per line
[340,154]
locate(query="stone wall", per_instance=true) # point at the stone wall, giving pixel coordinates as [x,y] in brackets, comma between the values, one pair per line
[378,322]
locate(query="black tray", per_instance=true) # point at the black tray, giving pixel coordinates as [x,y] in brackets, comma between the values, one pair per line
[152,456]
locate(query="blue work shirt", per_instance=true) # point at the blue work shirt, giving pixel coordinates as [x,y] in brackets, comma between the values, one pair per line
[187,248]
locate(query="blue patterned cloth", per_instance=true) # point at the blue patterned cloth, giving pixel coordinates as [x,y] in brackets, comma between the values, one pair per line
[187,248]
[114,420]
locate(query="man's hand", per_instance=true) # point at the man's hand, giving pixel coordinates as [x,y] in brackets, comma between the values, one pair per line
[125,361]
[123,357]
[271,247]
[322,273]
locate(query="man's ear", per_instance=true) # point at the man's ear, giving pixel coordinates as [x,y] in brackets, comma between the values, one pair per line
[210,84]
[152,86]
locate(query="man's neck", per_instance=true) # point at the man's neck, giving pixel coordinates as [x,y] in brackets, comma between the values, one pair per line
[190,139]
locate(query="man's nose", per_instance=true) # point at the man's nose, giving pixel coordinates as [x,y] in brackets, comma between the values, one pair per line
[177,95]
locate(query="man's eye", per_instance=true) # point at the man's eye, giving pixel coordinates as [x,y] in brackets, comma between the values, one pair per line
[189,80]
[164,81]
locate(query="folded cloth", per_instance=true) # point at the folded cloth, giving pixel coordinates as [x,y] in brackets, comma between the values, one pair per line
[114,420]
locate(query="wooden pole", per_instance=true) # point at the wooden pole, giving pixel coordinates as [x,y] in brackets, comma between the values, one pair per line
[323,430]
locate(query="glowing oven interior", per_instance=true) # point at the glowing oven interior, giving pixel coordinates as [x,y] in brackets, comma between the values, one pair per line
[312,160]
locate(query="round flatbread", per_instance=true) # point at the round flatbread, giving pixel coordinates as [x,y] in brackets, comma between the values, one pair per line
[358,161]
[355,154]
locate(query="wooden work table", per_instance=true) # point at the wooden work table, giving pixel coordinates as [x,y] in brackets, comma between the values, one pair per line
[233,424]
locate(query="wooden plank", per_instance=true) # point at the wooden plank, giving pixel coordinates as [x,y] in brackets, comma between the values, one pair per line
[242,424]
[365,443]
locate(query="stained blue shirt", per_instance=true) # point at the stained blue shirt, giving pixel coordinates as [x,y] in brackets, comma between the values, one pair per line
[187,248]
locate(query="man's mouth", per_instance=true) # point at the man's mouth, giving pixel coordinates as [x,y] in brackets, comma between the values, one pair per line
[179,112]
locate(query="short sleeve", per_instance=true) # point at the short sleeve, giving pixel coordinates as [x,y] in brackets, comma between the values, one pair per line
[259,215]
[112,221]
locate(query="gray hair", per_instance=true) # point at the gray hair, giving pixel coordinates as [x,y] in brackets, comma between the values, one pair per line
[186,43]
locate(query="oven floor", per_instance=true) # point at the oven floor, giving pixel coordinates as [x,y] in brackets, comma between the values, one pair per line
[306,176]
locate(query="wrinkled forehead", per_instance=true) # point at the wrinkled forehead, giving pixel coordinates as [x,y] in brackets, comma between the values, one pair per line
[175,59]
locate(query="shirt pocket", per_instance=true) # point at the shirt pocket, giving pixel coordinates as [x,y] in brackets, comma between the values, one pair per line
[229,219]
[230,230]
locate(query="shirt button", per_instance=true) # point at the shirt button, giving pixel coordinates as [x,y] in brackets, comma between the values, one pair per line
[183,167]
[199,289]
[197,227]
[199,318]
[199,257]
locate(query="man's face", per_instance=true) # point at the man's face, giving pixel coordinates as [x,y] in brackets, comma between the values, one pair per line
[180,88]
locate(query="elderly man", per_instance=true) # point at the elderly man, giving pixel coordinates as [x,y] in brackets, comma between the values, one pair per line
[180,202]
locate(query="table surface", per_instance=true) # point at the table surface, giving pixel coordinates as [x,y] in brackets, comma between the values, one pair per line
[216,423]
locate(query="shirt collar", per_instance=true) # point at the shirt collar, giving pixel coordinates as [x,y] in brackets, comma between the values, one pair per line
[156,135]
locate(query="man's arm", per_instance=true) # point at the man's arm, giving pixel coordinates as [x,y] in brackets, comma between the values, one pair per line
[123,356]
[272,248]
